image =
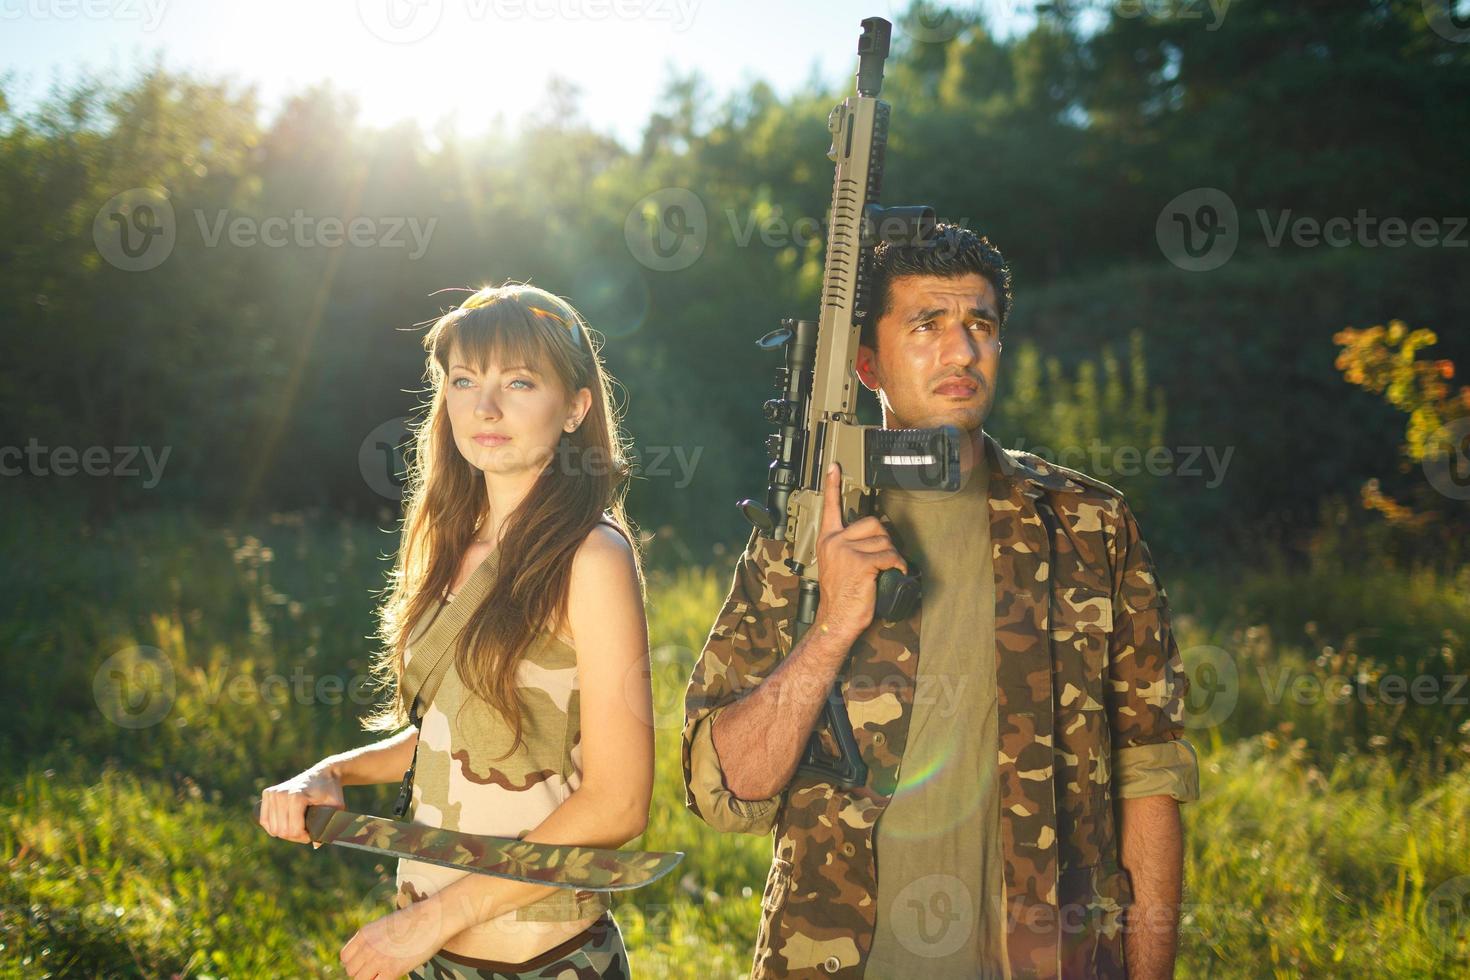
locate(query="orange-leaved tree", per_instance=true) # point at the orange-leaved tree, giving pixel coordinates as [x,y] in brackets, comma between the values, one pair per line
[1386,361]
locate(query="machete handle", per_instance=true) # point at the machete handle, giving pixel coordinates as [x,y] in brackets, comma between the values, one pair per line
[317,816]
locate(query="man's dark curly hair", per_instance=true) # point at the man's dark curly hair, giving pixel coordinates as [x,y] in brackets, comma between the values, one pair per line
[950,251]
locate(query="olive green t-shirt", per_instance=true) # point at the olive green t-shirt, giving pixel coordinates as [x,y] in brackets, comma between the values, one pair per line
[940,902]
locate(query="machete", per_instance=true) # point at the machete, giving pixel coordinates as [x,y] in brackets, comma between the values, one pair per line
[557,865]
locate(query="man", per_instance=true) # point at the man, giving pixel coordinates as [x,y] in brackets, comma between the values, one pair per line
[1022,730]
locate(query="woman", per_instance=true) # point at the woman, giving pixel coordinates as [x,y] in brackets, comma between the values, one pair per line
[515,551]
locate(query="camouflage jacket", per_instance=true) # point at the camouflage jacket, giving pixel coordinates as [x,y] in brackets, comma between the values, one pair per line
[1086,665]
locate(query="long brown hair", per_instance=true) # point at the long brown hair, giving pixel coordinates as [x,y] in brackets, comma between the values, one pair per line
[445,500]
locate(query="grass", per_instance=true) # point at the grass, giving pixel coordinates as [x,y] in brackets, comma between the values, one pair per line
[1328,841]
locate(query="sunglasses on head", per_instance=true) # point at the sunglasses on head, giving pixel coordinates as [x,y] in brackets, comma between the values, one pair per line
[573,327]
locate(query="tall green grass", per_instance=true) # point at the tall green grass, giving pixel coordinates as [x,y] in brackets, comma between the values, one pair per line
[1323,846]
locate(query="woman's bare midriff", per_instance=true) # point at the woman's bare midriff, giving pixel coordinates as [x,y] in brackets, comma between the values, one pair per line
[503,938]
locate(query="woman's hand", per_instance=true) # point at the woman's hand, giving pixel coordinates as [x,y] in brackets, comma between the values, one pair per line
[283,806]
[390,946]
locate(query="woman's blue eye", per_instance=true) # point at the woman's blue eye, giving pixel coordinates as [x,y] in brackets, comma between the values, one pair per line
[514,381]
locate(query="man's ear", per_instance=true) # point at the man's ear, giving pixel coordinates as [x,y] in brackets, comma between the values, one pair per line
[866,365]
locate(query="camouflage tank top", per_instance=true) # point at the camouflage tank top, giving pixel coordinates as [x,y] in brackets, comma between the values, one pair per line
[465,779]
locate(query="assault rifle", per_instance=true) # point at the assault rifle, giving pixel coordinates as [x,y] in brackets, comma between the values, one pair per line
[818,386]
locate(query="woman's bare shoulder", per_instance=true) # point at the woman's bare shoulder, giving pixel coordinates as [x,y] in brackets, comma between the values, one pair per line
[605,542]
[601,563]
[604,575]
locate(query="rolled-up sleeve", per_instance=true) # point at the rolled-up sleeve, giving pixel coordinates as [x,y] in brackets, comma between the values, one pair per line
[1157,769]
[1147,685]
[722,809]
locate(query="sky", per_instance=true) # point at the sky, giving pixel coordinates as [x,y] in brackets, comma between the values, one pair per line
[465,60]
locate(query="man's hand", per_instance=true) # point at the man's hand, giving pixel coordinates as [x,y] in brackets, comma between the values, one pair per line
[849,560]
[760,738]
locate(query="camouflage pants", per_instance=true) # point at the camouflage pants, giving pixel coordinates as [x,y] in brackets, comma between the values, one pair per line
[595,953]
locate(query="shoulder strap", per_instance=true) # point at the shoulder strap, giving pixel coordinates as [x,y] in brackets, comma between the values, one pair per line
[618,528]
[421,690]
[426,670]
[424,673]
